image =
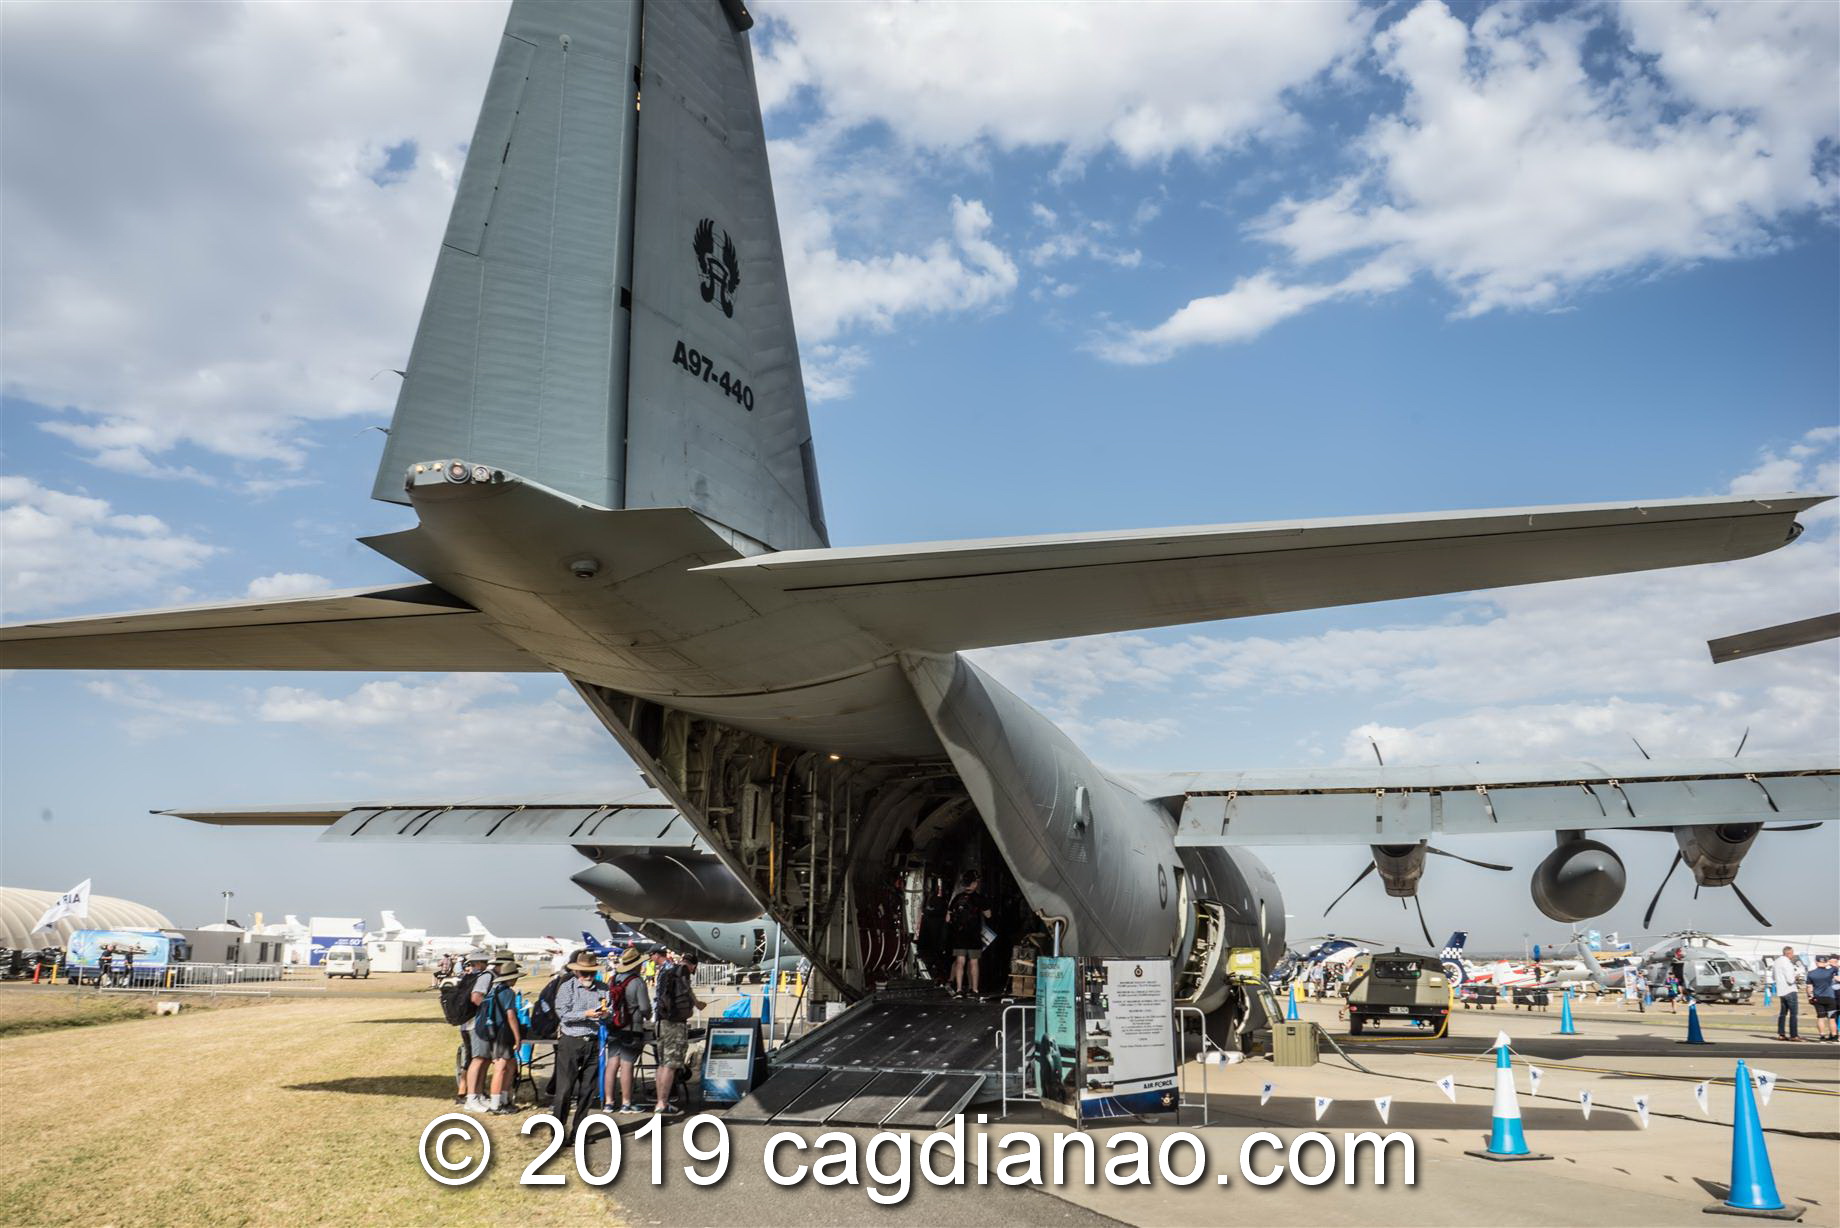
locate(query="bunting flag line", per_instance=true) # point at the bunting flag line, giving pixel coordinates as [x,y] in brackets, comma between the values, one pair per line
[1265,1090]
[1448,1085]
[1534,1075]
[1322,1105]
[1642,1110]
[1699,1094]
[1584,1102]
[1385,1105]
[1765,1082]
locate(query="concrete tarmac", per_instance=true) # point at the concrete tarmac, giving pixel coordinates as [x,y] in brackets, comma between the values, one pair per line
[1607,1169]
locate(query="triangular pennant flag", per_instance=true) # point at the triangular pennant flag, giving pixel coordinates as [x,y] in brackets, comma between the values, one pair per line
[1265,1090]
[1385,1105]
[1534,1075]
[1642,1110]
[1584,1102]
[1501,1042]
[1766,1083]
[1699,1094]
[1322,1105]
[1448,1085]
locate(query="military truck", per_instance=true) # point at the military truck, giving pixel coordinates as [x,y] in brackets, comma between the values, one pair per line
[1398,987]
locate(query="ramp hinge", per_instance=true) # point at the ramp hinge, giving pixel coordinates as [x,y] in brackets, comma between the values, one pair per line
[1488,805]
[1752,777]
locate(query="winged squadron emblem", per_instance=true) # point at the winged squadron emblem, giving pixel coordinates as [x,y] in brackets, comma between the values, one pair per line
[720,274]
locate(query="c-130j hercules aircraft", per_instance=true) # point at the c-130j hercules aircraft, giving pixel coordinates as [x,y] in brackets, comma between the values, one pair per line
[603,433]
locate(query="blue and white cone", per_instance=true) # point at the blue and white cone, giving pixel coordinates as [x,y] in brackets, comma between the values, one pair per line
[1506,1141]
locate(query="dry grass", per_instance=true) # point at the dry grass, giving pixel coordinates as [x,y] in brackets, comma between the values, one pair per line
[306,1111]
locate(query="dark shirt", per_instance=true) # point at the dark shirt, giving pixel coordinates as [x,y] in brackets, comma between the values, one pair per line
[965,920]
[1821,982]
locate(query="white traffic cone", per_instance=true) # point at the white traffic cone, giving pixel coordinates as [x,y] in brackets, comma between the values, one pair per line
[1506,1141]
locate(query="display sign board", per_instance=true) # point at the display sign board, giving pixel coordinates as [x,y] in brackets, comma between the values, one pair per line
[150,948]
[1127,1051]
[329,932]
[1056,1027]
[731,1055]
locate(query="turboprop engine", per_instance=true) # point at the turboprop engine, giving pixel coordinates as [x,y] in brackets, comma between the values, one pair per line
[1580,879]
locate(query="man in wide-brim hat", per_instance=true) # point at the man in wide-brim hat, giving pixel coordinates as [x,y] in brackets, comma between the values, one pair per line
[625,1044]
[580,1006]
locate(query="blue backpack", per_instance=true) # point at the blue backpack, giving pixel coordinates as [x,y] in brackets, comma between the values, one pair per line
[490,1023]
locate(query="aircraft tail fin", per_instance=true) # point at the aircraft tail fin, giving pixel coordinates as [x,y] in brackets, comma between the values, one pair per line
[475,928]
[390,924]
[1452,957]
[609,315]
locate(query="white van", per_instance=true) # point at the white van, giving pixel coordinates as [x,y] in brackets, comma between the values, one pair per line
[353,962]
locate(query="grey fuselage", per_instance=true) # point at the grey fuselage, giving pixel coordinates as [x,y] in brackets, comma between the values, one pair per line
[819,762]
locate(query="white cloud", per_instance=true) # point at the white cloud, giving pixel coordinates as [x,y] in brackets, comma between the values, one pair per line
[459,732]
[287,584]
[149,712]
[219,266]
[1148,80]
[59,549]
[1523,168]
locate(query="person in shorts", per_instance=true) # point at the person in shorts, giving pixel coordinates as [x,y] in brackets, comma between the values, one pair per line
[965,918]
[496,1035]
[1821,993]
[676,1004]
[473,972]
[625,1044]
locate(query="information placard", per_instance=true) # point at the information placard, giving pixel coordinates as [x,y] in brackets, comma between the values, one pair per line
[1127,1052]
[729,1055]
[1056,1027]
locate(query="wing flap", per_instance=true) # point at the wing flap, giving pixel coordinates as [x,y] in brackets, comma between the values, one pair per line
[644,819]
[945,596]
[1403,805]
[395,628]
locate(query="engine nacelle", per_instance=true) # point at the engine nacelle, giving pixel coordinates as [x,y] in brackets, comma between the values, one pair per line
[1714,851]
[640,886]
[1580,879]
[1400,867]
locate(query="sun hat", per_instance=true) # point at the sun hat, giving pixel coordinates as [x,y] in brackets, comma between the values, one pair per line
[584,963]
[477,956]
[629,959]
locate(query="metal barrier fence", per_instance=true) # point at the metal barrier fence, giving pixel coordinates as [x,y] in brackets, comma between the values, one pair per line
[175,976]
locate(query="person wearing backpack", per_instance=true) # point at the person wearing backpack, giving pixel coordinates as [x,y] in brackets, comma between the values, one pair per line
[628,1006]
[496,1036]
[460,998]
[677,1002]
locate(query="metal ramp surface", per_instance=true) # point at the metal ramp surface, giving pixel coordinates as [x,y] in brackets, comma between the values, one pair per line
[899,1057]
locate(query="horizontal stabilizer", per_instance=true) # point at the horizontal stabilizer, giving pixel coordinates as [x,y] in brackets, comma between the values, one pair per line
[945,596]
[644,819]
[405,628]
[1401,805]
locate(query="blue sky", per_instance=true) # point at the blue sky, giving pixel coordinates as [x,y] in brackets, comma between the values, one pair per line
[1375,259]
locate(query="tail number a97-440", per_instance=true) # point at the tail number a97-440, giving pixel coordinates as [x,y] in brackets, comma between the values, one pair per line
[698,364]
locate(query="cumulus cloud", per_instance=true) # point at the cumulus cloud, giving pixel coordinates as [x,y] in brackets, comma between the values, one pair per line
[458,732]
[60,549]
[147,711]
[287,584]
[248,232]
[1148,80]
[1562,669]
[1523,168]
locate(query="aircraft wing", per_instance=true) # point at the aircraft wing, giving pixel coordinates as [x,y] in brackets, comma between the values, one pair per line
[1402,805]
[400,627]
[945,596]
[641,820]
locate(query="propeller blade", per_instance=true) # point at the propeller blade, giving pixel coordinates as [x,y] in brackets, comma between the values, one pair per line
[1350,887]
[1376,747]
[1421,920]
[1650,914]
[1645,754]
[1794,827]
[1750,907]
[1741,742]
[1487,865]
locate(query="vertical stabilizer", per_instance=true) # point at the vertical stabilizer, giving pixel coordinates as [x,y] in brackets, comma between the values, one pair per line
[609,315]
[718,420]
[520,358]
